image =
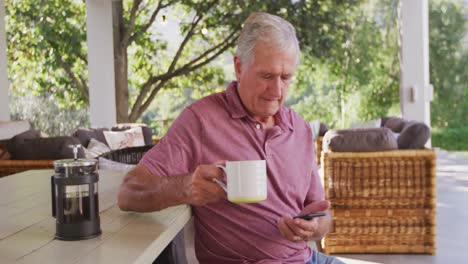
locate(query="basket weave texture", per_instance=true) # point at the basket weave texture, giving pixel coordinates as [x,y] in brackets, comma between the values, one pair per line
[8,167]
[318,149]
[382,202]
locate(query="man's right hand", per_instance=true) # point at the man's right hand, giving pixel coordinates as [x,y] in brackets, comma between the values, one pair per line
[200,187]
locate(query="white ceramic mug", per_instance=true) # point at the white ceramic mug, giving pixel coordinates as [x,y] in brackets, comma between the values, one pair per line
[246,181]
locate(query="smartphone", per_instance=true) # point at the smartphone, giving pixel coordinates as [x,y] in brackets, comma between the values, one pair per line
[310,216]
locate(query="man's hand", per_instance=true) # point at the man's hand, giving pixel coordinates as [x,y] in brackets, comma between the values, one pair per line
[200,188]
[300,229]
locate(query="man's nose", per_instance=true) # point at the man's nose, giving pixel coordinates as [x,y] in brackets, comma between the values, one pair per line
[276,87]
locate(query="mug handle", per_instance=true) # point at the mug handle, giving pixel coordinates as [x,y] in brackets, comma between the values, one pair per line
[220,183]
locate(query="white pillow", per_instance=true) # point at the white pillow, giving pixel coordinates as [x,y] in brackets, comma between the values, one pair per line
[315,126]
[374,123]
[95,148]
[105,164]
[124,139]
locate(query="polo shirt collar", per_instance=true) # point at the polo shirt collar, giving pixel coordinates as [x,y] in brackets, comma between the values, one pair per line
[237,110]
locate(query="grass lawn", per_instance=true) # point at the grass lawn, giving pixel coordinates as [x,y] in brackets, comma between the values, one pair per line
[452,139]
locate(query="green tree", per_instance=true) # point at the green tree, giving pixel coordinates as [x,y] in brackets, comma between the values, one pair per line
[448,63]
[358,79]
[47,50]
[48,38]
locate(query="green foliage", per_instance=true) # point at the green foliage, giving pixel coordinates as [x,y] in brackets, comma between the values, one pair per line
[450,138]
[56,30]
[208,29]
[358,79]
[448,63]
[46,40]
[46,115]
[47,49]
[349,67]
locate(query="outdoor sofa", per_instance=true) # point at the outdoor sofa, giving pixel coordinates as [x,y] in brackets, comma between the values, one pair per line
[28,150]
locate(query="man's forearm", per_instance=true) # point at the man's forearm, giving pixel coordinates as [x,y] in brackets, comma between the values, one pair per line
[154,194]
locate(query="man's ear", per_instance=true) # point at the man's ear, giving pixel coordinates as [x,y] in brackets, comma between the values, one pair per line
[238,68]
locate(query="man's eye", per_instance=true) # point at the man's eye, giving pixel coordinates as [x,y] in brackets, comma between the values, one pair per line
[267,76]
[286,77]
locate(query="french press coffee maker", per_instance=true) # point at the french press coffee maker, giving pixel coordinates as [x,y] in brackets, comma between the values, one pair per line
[75,203]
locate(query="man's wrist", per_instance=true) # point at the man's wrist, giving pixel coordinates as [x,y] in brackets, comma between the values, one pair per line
[186,188]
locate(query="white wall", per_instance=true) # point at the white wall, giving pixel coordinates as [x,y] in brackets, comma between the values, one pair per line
[101,63]
[415,90]
[4,84]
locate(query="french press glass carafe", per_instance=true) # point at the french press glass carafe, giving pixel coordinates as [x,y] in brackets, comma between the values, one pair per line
[75,203]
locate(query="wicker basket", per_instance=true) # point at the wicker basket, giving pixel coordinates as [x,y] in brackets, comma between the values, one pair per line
[130,155]
[318,149]
[8,167]
[382,202]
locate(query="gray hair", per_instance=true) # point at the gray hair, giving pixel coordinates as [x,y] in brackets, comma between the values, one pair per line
[267,28]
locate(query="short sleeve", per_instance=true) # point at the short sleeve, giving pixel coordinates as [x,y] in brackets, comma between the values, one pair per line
[178,152]
[316,191]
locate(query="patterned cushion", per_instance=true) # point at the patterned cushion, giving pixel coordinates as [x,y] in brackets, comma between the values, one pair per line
[95,148]
[147,132]
[86,134]
[124,139]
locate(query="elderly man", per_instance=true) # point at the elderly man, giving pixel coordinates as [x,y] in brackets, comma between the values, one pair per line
[247,121]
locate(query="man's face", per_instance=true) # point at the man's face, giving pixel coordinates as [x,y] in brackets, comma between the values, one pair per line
[263,84]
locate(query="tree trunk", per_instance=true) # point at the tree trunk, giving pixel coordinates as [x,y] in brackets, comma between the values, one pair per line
[121,85]
[121,65]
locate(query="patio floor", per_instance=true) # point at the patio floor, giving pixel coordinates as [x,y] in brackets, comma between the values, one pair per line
[452,219]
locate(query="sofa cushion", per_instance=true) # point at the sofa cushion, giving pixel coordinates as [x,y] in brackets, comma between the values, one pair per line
[86,134]
[51,148]
[95,148]
[384,120]
[414,135]
[9,129]
[14,144]
[132,137]
[359,140]
[147,132]
[395,124]
[323,129]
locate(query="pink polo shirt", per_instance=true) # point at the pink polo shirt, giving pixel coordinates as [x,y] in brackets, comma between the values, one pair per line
[218,127]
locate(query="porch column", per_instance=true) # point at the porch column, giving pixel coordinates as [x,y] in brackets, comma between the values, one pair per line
[415,90]
[102,103]
[4,84]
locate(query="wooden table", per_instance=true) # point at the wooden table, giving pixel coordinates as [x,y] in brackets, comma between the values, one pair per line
[27,228]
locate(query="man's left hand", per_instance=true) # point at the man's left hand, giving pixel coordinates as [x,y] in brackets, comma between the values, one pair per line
[306,230]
